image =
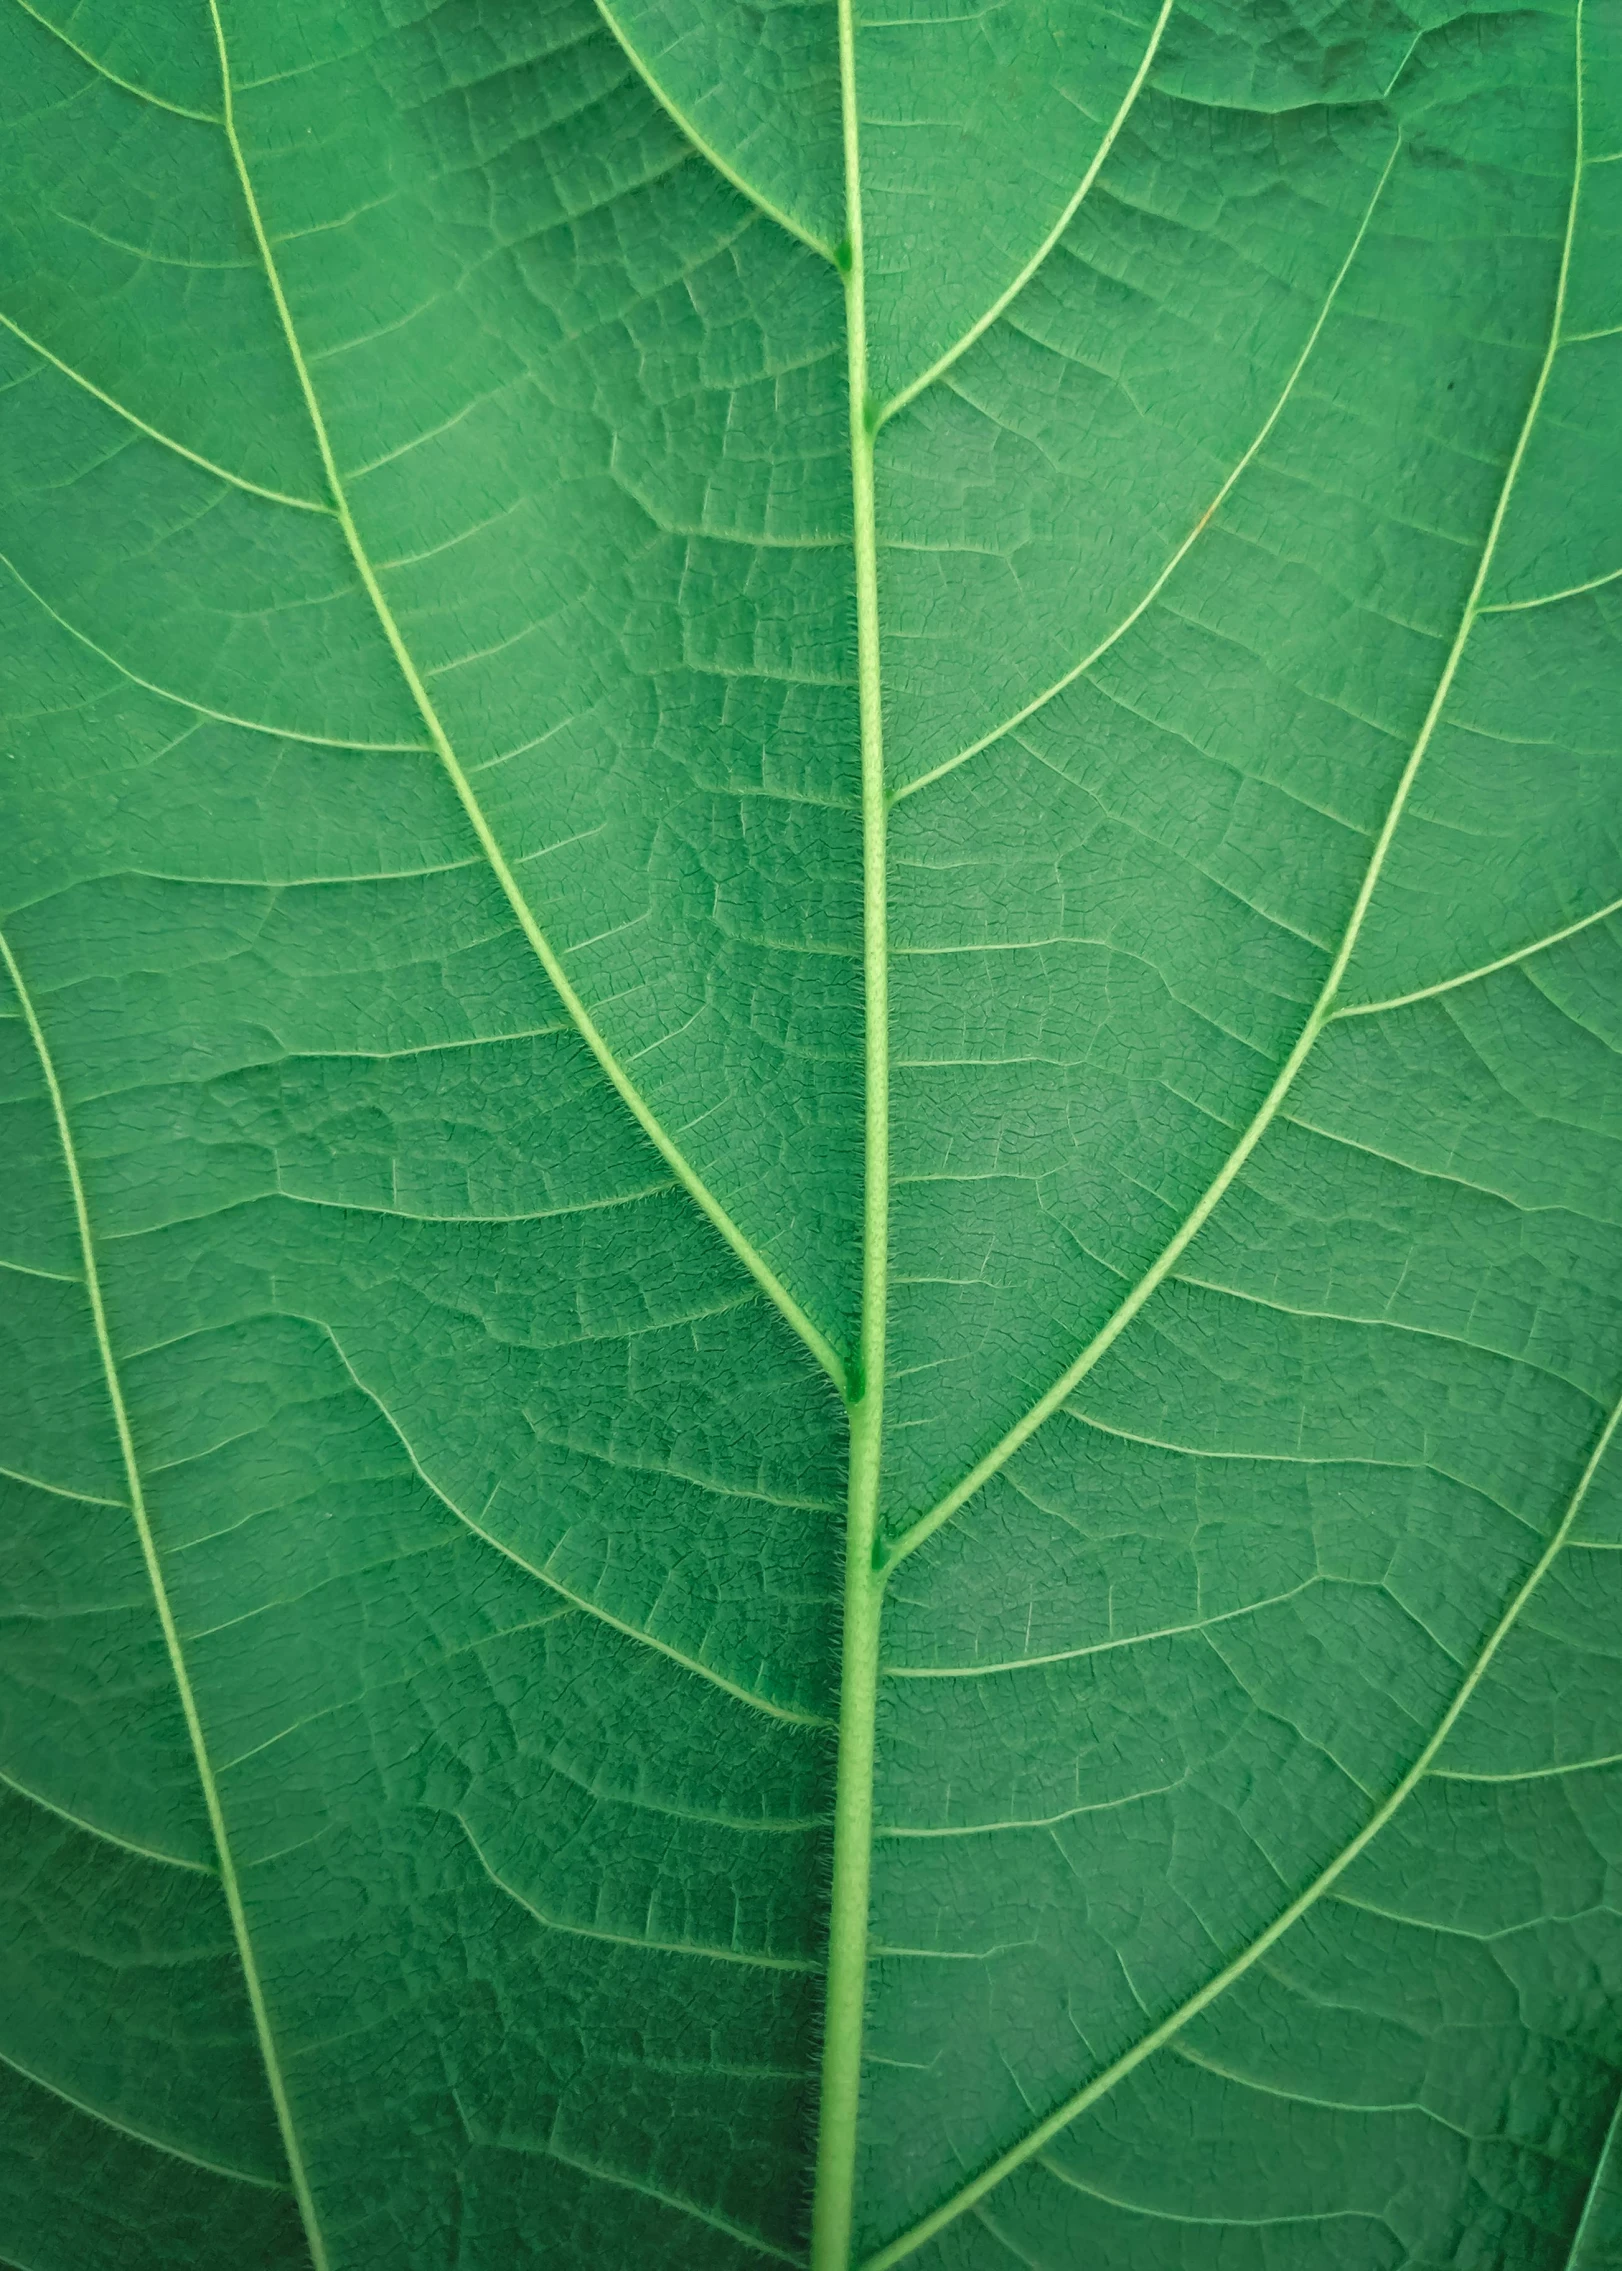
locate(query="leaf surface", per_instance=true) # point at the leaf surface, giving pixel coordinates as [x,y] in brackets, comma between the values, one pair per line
[811,989]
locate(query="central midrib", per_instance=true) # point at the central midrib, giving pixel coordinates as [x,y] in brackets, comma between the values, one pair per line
[833,2196]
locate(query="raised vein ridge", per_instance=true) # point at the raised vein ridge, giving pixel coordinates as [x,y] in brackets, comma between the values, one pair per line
[268,2050]
[631,1096]
[1323,1009]
[1005,298]
[706,150]
[1044,2131]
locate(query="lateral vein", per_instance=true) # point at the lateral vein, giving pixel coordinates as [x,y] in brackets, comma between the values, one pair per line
[59,1489]
[126,86]
[1596,2189]
[269,2054]
[665,2199]
[707,150]
[1483,970]
[1323,1009]
[1112,638]
[141,2136]
[1158,2036]
[1011,292]
[753,1261]
[543,1576]
[154,433]
[201,709]
[95,1829]
[548,1923]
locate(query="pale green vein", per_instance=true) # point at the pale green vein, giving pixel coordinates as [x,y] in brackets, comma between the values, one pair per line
[706,149]
[697,1190]
[200,709]
[544,1576]
[1168,2028]
[1323,1009]
[998,1828]
[127,86]
[639,1941]
[1112,638]
[268,2050]
[745,1825]
[148,2137]
[1483,970]
[61,1490]
[154,433]
[1597,2189]
[1190,2055]
[412,1214]
[1011,292]
[47,1277]
[96,1829]
[724,2224]
[1552,598]
[1438,1930]
[1105,1338]
[1383,1325]
[1533,1773]
[1098,1647]
[833,2198]
[1232,2223]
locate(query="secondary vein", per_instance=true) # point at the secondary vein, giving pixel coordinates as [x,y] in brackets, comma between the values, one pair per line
[787,1712]
[155,433]
[753,1261]
[1482,969]
[1323,1009]
[1113,637]
[1043,2133]
[706,150]
[179,1670]
[1006,297]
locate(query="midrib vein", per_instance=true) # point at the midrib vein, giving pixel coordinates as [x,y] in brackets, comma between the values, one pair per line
[844,2009]
[631,1096]
[229,1883]
[1060,2118]
[1322,1012]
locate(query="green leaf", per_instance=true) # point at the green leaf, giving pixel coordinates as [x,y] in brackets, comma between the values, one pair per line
[812,1002]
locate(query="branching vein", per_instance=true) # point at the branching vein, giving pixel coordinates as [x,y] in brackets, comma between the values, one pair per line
[1169,2027]
[707,150]
[1134,614]
[753,1261]
[1011,292]
[154,433]
[1323,1009]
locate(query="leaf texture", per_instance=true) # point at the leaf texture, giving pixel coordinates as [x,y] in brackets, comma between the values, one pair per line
[811,1014]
